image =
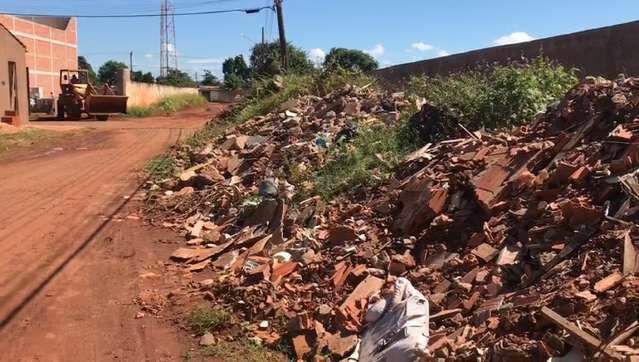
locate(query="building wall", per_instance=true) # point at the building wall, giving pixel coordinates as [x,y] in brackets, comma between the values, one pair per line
[144,94]
[48,50]
[11,50]
[605,51]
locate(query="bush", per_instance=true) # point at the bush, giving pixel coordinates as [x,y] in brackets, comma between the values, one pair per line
[368,159]
[204,319]
[170,104]
[160,167]
[332,79]
[350,59]
[496,96]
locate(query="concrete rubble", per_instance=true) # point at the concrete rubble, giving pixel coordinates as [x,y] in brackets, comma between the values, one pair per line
[523,242]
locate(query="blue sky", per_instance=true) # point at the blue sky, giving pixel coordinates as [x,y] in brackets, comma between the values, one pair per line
[393,32]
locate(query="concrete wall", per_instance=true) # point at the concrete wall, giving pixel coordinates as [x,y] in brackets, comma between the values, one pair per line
[144,94]
[605,51]
[49,48]
[12,51]
[221,95]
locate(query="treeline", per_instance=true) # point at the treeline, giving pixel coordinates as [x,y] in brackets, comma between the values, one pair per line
[263,63]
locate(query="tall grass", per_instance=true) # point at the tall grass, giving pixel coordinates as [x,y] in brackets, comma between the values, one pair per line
[169,104]
[366,160]
[495,96]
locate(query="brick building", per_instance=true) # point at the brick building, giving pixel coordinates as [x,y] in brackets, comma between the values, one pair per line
[52,44]
[14,93]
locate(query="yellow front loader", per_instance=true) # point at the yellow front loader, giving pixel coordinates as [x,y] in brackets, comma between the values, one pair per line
[78,97]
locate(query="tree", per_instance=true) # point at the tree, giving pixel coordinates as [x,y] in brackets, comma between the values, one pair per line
[209,79]
[177,78]
[108,72]
[236,73]
[265,59]
[138,76]
[83,64]
[350,59]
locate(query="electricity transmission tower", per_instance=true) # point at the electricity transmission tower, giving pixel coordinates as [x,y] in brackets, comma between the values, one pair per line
[168,51]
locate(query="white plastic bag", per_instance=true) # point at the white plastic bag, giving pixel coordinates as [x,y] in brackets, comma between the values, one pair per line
[398,327]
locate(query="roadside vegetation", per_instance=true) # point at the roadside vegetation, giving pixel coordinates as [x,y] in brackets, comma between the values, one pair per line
[244,351]
[203,319]
[490,96]
[367,160]
[25,137]
[170,104]
[161,167]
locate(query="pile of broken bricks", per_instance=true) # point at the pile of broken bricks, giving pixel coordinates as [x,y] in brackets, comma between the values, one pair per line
[523,241]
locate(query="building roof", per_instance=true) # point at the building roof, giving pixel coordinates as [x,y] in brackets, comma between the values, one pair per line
[14,37]
[58,22]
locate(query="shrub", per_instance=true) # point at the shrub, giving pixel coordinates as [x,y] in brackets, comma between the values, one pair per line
[350,59]
[496,96]
[204,319]
[366,160]
[160,167]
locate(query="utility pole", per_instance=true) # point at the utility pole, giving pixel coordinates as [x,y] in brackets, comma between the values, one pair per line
[263,39]
[280,25]
[131,63]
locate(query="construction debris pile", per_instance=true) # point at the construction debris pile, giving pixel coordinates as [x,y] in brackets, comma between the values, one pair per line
[523,242]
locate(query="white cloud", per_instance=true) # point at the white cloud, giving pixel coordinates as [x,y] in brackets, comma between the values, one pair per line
[387,63]
[206,61]
[317,55]
[377,51]
[513,38]
[148,55]
[421,46]
[442,53]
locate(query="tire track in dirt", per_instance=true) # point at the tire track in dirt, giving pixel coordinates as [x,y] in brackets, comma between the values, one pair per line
[51,204]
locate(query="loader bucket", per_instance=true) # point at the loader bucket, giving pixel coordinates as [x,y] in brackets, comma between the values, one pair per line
[105,105]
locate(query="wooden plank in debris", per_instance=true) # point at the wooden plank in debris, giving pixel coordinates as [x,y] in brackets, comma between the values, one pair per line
[625,334]
[585,338]
[608,282]
[582,337]
[445,314]
[629,256]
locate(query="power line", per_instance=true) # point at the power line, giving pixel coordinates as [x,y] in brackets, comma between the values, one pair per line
[116,16]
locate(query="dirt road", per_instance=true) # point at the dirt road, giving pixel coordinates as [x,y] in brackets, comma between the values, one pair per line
[70,259]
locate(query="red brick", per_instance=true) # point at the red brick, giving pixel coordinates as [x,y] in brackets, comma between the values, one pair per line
[42,31]
[43,64]
[23,26]
[43,48]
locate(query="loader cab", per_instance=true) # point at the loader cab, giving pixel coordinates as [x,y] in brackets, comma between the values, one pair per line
[70,79]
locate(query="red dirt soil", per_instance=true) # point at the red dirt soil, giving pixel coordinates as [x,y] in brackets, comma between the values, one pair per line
[71,262]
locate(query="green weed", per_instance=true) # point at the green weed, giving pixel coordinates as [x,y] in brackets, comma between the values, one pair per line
[161,167]
[204,319]
[367,160]
[494,96]
[24,137]
[243,351]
